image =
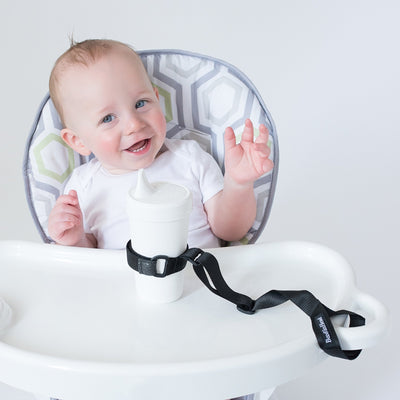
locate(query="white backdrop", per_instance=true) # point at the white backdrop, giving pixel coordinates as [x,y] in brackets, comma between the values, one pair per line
[329,73]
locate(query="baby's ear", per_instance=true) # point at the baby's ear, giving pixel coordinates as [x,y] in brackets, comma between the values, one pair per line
[74,142]
[156,92]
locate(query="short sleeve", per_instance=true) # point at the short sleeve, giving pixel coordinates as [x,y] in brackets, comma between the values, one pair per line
[211,180]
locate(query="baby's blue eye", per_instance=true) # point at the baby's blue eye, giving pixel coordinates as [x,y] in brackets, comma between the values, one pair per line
[140,103]
[108,118]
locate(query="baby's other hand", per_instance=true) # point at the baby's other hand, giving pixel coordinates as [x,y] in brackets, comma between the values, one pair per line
[65,220]
[246,161]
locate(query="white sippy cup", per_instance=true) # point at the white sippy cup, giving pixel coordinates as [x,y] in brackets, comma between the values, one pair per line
[159,219]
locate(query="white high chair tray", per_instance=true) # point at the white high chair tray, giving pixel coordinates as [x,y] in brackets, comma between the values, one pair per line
[79,331]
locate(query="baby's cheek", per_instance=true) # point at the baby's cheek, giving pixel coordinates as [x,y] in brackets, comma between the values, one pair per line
[108,144]
[159,118]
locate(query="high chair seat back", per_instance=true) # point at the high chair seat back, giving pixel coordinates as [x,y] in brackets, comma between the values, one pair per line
[200,96]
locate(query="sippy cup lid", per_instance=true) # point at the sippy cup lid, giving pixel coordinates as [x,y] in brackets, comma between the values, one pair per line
[159,201]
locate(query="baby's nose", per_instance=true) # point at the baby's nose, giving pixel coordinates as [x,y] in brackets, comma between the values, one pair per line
[135,124]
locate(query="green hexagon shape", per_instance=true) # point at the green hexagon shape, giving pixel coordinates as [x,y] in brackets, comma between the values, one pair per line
[52,137]
[167,101]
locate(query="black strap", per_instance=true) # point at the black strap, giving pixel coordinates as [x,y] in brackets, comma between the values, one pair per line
[207,269]
[148,266]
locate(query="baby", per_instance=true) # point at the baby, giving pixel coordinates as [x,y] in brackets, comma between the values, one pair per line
[109,107]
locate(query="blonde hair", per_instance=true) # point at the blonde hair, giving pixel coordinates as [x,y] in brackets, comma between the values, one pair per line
[80,53]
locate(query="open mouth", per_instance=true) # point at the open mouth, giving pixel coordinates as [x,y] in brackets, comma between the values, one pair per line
[139,146]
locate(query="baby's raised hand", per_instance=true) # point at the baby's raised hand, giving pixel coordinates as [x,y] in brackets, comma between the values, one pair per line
[65,220]
[248,160]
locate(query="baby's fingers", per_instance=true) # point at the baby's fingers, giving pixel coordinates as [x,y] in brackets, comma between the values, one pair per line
[263,135]
[268,165]
[263,153]
[70,198]
[66,211]
[229,139]
[248,132]
[262,149]
[65,214]
[64,226]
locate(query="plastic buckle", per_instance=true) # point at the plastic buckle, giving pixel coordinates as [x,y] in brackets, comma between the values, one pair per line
[195,261]
[192,255]
[165,272]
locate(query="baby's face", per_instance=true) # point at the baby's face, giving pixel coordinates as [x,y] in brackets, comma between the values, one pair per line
[114,111]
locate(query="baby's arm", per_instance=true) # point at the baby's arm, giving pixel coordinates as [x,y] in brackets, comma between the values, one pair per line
[66,223]
[232,211]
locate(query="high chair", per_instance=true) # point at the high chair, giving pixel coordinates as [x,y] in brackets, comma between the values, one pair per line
[78,331]
[200,95]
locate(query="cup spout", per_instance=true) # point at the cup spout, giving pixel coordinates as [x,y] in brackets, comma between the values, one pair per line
[143,188]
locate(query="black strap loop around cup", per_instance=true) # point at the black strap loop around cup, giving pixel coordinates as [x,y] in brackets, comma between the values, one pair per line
[208,271]
[148,266]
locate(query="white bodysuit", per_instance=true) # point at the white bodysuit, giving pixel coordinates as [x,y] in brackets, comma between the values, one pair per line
[102,196]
